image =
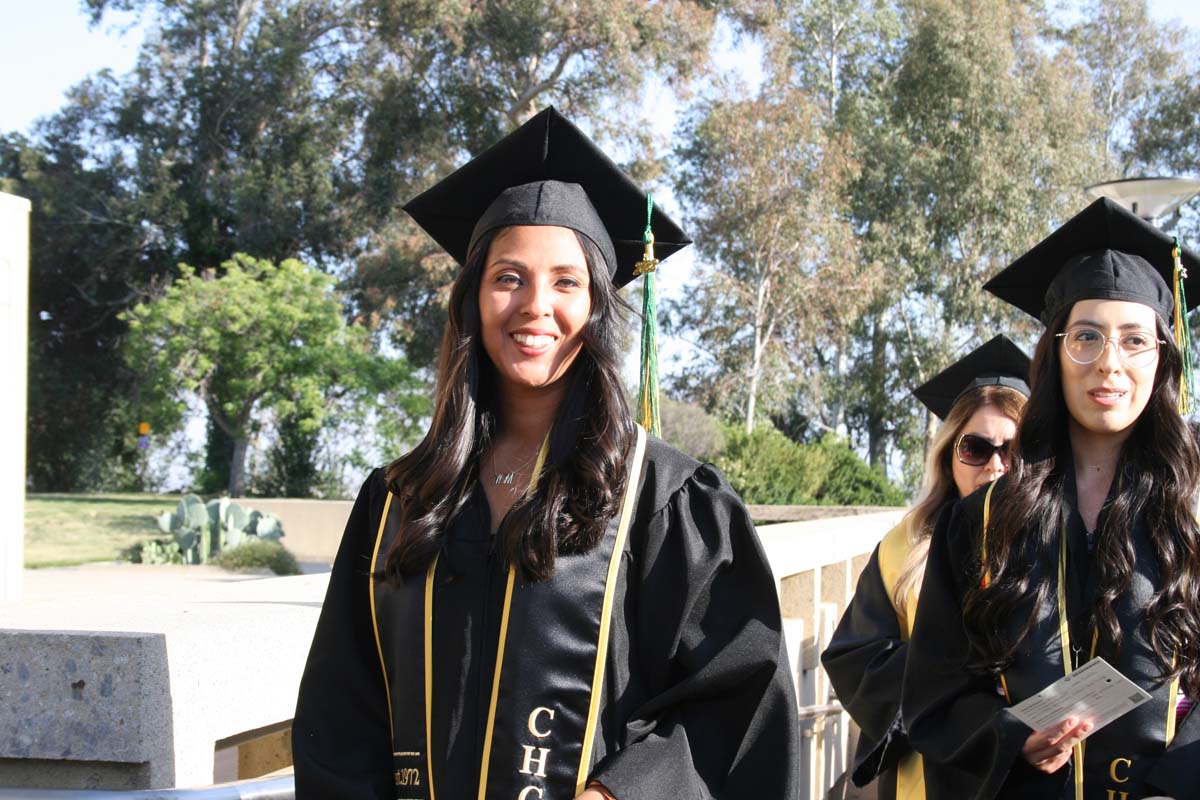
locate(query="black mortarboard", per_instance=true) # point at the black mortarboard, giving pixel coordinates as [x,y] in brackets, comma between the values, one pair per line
[1103,252]
[997,363]
[546,172]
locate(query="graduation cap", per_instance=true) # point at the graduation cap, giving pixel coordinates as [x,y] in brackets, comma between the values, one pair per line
[997,363]
[1102,253]
[547,172]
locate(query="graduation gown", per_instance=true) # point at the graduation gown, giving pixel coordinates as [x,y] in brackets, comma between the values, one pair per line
[959,721]
[865,663]
[697,699]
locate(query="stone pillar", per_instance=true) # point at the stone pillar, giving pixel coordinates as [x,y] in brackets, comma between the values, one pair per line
[14,342]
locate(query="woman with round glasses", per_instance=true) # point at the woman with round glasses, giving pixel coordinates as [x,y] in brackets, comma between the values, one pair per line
[979,398]
[1086,549]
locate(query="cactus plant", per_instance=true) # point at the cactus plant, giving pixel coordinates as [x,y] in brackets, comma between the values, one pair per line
[201,530]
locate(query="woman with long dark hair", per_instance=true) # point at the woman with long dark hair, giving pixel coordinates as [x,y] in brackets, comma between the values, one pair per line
[1087,549]
[540,601]
[979,398]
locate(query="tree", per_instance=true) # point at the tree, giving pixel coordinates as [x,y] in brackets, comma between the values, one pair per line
[780,275]
[450,79]
[982,144]
[90,258]
[295,129]
[1128,56]
[255,338]
[832,49]
[1165,140]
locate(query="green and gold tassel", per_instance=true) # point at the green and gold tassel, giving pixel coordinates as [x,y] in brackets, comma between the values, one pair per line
[1183,336]
[648,393]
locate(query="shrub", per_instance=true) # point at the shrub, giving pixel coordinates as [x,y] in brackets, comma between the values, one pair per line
[256,553]
[767,468]
[155,551]
[850,481]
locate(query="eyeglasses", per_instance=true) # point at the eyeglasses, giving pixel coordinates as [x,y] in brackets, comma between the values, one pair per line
[1086,344]
[975,451]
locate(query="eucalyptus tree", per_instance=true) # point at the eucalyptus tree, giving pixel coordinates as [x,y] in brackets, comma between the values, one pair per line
[762,186]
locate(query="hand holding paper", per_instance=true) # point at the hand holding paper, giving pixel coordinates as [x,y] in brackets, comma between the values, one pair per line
[1096,692]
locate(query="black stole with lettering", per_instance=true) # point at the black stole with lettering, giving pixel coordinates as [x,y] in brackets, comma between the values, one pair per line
[553,643]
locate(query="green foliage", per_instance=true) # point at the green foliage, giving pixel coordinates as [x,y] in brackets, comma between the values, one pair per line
[255,554]
[155,551]
[767,468]
[849,481]
[252,338]
[81,423]
[201,530]
[779,276]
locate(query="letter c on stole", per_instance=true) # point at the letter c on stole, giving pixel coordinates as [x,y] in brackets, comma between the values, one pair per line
[1112,770]
[533,728]
[524,795]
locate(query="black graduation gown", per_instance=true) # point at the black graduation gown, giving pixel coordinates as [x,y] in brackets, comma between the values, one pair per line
[959,721]
[865,663]
[698,699]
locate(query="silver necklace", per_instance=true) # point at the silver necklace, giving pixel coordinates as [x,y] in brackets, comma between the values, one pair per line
[508,478]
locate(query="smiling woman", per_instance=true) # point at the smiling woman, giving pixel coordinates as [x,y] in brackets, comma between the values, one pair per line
[534,301]
[1087,548]
[541,600]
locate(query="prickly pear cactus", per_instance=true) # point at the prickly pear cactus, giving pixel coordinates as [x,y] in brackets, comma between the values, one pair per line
[188,524]
[201,530]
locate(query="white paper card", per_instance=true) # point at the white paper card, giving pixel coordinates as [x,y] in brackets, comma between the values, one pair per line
[1095,692]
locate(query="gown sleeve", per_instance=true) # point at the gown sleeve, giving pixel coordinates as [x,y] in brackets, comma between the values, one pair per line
[956,719]
[720,718]
[341,742]
[865,664]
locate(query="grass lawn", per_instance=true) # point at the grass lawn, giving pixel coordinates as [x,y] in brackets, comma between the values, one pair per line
[66,529]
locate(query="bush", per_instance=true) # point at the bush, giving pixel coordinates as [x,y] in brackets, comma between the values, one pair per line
[768,468]
[154,551]
[256,553]
[850,481]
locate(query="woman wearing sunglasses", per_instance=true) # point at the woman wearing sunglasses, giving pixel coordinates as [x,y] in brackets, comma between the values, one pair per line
[980,398]
[1086,549]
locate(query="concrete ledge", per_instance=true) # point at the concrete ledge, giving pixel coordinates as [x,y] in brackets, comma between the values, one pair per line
[215,654]
[110,692]
[795,547]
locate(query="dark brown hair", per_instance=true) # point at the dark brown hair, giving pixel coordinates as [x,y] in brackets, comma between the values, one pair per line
[580,485]
[1157,475]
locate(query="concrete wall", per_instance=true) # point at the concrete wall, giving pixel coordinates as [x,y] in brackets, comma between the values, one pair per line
[312,529]
[14,337]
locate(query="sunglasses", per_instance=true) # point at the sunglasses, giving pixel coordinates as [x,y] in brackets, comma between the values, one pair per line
[975,451]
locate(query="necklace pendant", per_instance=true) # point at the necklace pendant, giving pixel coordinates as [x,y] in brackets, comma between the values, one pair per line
[504,479]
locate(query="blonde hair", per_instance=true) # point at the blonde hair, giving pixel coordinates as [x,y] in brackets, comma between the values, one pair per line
[939,488]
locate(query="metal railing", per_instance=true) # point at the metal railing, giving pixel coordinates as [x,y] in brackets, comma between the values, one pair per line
[281,787]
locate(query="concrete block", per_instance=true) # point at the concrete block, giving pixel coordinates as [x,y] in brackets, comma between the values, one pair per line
[211,655]
[86,697]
